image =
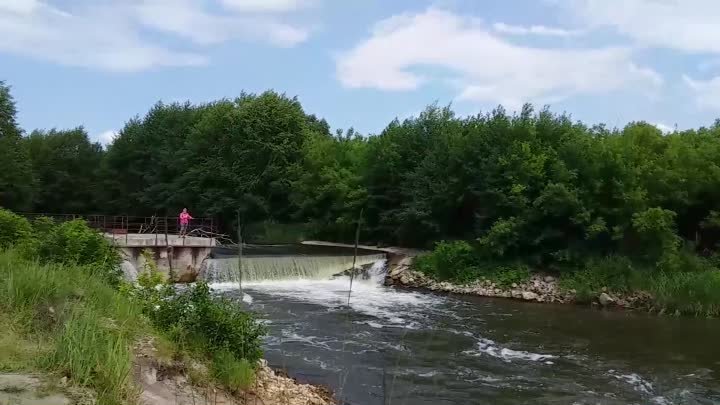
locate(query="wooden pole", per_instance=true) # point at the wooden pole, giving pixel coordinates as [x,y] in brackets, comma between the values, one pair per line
[240,253]
[357,240]
[169,251]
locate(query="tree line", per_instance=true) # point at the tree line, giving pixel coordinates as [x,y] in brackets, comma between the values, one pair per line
[534,184]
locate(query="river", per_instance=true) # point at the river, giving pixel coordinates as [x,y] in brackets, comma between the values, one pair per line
[393,347]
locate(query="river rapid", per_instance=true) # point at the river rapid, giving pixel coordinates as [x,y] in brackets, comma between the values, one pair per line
[412,348]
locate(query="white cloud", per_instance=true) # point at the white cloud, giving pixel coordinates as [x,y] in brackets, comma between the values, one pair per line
[539,30]
[106,137]
[113,35]
[707,92]
[188,19]
[485,67]
[666,129]
[685,25]
[267,6]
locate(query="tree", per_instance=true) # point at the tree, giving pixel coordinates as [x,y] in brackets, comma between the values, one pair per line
[16,180]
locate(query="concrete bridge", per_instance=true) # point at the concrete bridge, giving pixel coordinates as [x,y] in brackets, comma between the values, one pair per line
[180,256]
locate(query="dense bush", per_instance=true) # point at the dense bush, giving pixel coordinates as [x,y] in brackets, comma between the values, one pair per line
[210,324]
[460,262]
[14,229]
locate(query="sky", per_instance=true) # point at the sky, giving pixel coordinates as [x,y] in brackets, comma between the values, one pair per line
[362,63]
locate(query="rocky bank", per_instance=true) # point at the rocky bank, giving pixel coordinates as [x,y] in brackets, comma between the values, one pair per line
[539,288]
[170,382]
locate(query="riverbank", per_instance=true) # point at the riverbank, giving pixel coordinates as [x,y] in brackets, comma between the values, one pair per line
[70,324]
[538,288]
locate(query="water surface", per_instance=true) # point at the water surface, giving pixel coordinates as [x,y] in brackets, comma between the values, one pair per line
[402,347]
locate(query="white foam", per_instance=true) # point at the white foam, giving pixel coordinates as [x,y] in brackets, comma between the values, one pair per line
[638,383]
[491,348]
[389,307]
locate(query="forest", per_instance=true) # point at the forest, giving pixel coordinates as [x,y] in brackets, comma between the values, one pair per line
[533,187]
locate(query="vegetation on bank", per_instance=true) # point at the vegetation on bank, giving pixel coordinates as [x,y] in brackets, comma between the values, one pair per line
[527,191]
[65,310]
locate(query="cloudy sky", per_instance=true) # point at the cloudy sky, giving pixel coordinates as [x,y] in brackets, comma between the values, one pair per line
[362,63]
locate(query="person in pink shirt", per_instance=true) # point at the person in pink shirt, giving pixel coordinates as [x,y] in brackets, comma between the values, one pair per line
[185,218]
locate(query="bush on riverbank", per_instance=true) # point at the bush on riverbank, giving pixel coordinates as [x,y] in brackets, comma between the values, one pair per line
[65,319]
[679,281]
[458,262]
[63,313]
[213,328]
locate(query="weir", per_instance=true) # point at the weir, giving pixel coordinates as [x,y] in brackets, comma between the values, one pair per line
[261,268]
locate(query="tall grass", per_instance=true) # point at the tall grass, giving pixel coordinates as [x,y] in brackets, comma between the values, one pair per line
[236,375]
[691,293]
[79,325]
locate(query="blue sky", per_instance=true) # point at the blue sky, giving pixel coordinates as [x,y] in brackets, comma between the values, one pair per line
[361,63]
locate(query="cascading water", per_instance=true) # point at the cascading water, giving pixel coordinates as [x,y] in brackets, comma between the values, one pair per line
[394,346]
[274,268]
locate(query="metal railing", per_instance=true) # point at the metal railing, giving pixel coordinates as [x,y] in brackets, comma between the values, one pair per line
[125,224]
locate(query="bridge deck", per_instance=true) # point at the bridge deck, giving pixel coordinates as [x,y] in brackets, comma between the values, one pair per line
[158,240]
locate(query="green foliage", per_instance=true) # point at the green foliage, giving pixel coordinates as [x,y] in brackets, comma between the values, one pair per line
[14,229]
[236,375]
[209,324]
[92,353]
[74,243]
[65,165]
[691,293]
[16,176]
[615,273]
[457,261]
[78,325]
[449,261]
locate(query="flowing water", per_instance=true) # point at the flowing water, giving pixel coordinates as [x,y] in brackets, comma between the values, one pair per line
[410,348]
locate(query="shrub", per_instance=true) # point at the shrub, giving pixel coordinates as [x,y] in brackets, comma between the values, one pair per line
[210,324]
[236,375]
[454,261]
[14,229]
[693,293]
[613,272]
[74,243]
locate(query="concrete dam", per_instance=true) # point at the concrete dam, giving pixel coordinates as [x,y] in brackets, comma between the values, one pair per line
[192,258]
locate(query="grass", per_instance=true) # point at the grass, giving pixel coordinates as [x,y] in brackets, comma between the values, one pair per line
[236,375]
[690,293]
[63,319]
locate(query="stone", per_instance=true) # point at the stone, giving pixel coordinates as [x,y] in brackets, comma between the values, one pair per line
[516,294]
[549,279]
[28,390]
[394,273]
[605,299]
[149,375]
[514,285]
[529,296]
[404,279]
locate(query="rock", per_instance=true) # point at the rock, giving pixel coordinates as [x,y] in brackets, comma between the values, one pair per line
[549,279]
[149,375]
[604,289]
[516,294]
[529,296]
[404,279]
[394,273]
[605,299]
[514,285]
[27,390]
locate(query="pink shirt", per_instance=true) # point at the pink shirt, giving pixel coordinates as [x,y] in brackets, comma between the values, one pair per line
[185,217]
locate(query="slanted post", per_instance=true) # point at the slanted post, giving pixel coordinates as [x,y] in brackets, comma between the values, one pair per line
[240,253]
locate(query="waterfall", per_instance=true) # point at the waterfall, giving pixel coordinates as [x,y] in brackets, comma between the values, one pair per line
[129,271]
[261,268]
